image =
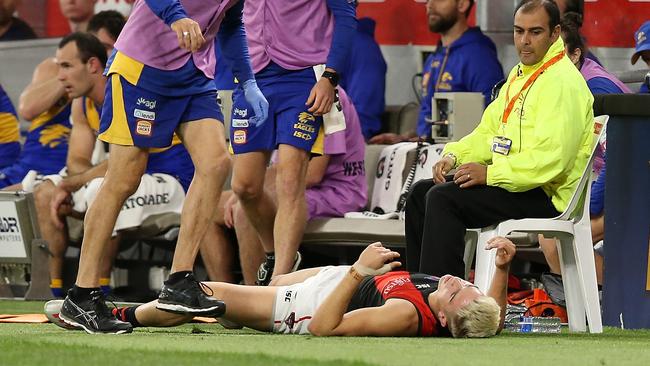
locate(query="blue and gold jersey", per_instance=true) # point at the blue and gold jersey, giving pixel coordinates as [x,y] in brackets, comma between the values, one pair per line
[46,146]
[187,80]
[173,160]
[9,131]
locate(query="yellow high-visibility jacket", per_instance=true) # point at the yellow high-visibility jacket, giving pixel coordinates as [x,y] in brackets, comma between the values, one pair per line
[551,128]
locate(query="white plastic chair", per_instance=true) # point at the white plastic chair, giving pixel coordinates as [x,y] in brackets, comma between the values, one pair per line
[575,248]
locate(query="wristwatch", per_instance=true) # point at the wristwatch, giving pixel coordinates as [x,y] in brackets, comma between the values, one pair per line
[452,157]
[332,77]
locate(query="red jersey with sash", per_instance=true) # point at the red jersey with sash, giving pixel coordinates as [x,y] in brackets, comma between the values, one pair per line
[412,287]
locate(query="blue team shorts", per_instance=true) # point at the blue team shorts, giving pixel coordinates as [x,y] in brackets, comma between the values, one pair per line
[134,116]
[288,123]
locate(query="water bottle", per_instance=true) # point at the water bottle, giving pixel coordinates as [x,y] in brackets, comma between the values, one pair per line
[534,324]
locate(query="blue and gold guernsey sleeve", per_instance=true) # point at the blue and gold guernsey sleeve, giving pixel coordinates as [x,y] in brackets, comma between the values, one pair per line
[9,131]
[46,145]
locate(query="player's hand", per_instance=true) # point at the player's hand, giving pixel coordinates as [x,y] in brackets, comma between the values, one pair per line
[321,97]
[257,101]
[376,260]
[387,138]
[228,211]
[189,34]
[441,168]
[471,174]
[505,251]
[60,205]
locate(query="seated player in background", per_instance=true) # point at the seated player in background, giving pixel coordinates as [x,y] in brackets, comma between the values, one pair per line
[45,103]
[9,133]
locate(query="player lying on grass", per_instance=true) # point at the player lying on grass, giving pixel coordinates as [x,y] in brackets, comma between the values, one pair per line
[366,299]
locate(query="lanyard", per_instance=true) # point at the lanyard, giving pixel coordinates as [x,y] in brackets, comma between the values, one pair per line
[510,103]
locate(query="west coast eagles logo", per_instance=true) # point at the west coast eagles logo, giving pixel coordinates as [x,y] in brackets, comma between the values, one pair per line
[640,37]
[54,135]
[445,81]
[304,117]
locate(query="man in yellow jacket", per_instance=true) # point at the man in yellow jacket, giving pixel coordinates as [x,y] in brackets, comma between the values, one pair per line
[524,159]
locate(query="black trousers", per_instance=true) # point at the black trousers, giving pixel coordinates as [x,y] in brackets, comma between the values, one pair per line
[437,217]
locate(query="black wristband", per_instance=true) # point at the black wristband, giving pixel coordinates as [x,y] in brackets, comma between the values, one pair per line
[332,77]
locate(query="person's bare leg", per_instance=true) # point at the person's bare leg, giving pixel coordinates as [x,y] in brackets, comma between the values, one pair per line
[109,257]
[600,268]
[549,248]
[57,239]
[248,185]
[216,249]
[217,254]
[126,165]
[598,228]
[251,251]
[257,314]
[291,216]
[294,277]
[206,143]
[13,187]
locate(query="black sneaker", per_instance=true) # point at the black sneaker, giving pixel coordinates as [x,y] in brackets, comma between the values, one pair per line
[265,272]
[92,315]
[188,297]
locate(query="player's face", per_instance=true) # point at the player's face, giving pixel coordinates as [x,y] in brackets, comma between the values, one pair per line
[573,56]
[442,15]
[532,35]
[73,73]
[455,293]
[106,39]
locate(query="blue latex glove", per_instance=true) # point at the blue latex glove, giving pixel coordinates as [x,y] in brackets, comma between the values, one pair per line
[257,101]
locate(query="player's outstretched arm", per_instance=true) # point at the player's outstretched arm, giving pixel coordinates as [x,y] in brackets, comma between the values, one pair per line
[331,318]
[232,39]
[173,14]
[499,288]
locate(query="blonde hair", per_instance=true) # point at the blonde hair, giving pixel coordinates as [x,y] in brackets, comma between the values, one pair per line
[478,319]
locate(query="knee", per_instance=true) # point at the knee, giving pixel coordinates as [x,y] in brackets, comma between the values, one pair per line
[440,194]
[418,192]
[43,195]
[247,189]
[122,187]
[213,168]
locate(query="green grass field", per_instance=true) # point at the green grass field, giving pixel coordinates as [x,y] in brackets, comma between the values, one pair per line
[194,344]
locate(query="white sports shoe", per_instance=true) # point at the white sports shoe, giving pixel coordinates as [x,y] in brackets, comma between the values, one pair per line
[371,215]
[52,309]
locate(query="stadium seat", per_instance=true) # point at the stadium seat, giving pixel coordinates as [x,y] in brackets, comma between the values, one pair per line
[361,232]
[575,248]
